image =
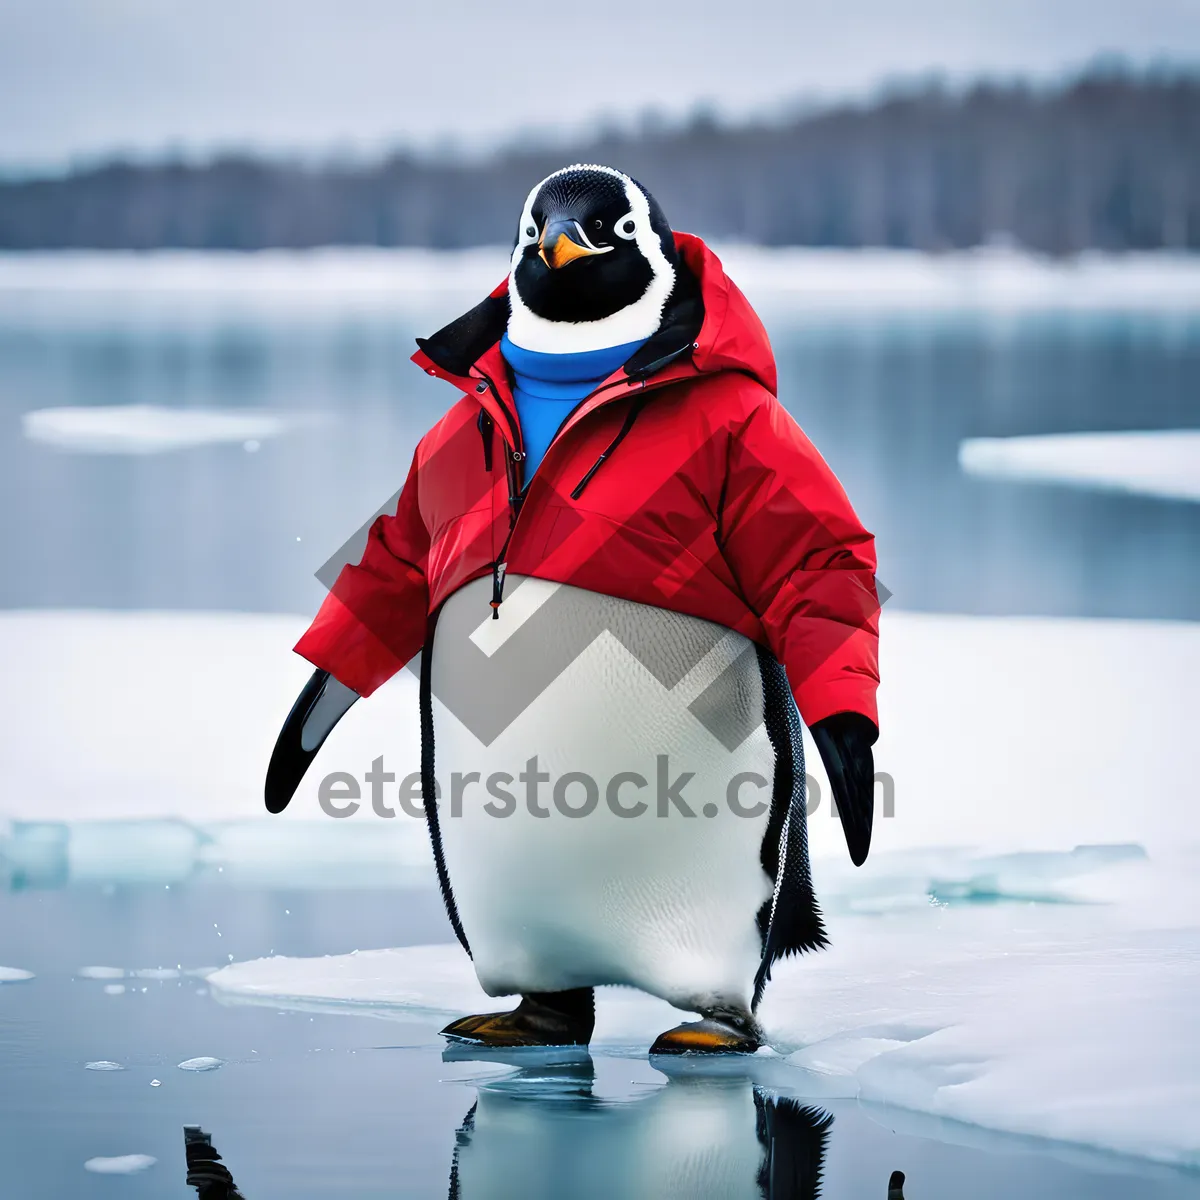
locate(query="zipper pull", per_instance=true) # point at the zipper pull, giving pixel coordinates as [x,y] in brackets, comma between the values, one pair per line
[498,569]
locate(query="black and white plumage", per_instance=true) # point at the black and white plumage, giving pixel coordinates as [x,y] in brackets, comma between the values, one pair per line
[594,263]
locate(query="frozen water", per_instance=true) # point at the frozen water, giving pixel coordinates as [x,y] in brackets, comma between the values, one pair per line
[114,989]
[151,429]
[103,1065]
[123,1164]
[1162,462]
[100,973]
[155,973]
[1070,1020]
[14,975]
[201,1064]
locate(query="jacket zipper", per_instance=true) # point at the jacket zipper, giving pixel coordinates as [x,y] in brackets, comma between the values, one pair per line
[512,473]
[516,457]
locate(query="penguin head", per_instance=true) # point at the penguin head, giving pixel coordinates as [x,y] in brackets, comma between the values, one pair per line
[594,263]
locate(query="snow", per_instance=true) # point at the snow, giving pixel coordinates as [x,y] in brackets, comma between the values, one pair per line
[993,278]
[14,975]
[1150,462]
[123,1164]
[152,429]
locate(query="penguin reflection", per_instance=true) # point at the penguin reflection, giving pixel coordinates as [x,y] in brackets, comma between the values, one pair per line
[693,1138]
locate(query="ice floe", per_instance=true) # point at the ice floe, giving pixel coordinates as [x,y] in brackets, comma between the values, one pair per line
[201,1064]
[122,1164]
[100,973]
[14,975]
[1162,462]
[103,1064]
[152,429]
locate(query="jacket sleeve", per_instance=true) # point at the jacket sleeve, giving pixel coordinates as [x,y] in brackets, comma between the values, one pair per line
[805,564]
[374,618]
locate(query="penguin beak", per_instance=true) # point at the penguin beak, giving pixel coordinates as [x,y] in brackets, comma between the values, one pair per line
[563,241]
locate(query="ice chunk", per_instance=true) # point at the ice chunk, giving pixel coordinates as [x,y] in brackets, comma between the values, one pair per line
[155,973]
[201,1064]
[1161,462]
[14,975]
[100,973]
[114,989]
[122,1164]
[103,1065]
[149,429]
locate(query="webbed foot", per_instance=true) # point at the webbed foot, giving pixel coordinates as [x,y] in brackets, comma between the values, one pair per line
[541,1019]
[711,1035]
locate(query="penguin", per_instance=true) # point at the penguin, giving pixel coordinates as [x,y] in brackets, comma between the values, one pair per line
[544,1133]
[552,652]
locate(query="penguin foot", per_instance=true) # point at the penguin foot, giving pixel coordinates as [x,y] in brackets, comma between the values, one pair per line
[712,1035]
[541,1019]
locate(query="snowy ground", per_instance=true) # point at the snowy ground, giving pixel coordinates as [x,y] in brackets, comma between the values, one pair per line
[984,969]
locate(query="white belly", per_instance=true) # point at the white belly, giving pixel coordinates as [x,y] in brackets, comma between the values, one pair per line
[662,901]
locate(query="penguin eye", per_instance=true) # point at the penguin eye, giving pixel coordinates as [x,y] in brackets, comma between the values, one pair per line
[597,224]
[626,227]
[530,231]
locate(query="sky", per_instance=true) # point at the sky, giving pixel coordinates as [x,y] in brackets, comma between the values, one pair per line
[87,78]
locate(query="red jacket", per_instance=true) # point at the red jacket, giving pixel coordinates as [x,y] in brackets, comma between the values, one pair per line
[688,487]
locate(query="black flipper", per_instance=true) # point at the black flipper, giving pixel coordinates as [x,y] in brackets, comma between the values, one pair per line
[790,920]
[845,741]
[322,704]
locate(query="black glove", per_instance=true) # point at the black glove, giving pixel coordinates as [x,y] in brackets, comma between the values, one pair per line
[845,740]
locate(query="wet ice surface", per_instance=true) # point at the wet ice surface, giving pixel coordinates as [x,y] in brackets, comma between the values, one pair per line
[313,1104]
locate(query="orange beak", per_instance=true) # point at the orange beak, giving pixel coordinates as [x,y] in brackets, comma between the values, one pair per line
[563,242]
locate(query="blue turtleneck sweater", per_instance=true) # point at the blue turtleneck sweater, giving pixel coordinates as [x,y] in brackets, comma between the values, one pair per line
[546,387]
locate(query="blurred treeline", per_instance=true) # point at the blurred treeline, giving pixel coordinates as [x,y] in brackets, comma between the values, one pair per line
[1110,160]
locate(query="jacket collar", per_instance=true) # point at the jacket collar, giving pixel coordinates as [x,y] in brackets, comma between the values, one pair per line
[708,327]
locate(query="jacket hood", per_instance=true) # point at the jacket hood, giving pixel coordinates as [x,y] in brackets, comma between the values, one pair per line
[707,316]
[731,337]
